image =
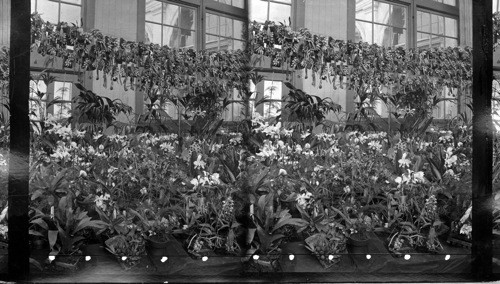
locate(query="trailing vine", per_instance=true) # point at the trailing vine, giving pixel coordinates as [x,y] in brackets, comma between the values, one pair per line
[136,64]
[361,66]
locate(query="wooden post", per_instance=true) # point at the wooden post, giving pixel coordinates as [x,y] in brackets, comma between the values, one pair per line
[19,252]
[482,139]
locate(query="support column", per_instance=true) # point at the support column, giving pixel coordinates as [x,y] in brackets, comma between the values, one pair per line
[19,252]
[482,139]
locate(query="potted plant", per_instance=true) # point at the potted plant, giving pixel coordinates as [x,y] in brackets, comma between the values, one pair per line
[328,244]
[158,224]
[128,246]
[65,229]
[269,223]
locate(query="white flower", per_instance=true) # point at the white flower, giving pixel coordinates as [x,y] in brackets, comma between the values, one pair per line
[375,145]
[303,198]
[215,178]
[195,182]
[466,230]
[419,177]
[101,147]
[298,148]
[305,134]
[144,190]
[404,162]
[281,144]
[287,133]
[83,173]
[167,147]
[282,172]
[347,189]
[199,163]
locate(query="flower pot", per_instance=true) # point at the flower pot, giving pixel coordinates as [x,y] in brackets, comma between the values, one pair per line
[358,243]
[168,248]
[156,244]
[358,240]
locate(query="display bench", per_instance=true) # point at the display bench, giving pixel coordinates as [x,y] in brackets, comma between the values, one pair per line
[373,263]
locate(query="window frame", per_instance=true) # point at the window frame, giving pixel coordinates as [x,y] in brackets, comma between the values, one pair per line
[409,16]
[202,7]
[63,2]
[427,6]
[51,91]
[162,24]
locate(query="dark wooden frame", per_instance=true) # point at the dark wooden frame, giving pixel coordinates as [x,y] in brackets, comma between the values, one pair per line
[18,264]
[482,139]
[18,193]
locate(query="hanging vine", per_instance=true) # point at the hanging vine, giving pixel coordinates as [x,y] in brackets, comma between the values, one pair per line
[360,66]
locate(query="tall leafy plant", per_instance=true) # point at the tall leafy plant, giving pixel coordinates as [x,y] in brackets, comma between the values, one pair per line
[309,110]
[93,112]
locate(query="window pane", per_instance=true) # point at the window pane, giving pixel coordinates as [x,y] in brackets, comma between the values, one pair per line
[238,44]
[364,32]
[364,10]
[437,26]
[212,24]
[399,16]
[239,3]
[423,22]
[389,36]
[211,42]
[33,7]
[238,29]
[153,33]
[225,44]
[258,10]
[171,37]
[451,27]
[78,2]
[188,39]
[437,41]
[450,42]
[48,10]
[187,19]
[272,90]
[171,15]
[226,27]
[450,2]
[62,90]
[382,13]
[71,14]
[153,11]
[423,40]
[279,12]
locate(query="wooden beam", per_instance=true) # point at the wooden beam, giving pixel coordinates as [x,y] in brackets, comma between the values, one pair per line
[19,82]
[482,139]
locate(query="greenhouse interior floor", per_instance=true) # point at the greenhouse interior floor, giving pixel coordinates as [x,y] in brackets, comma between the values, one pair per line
[450,266]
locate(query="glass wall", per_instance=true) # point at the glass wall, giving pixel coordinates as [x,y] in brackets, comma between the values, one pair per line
[270,10]
[381,23]
[56,11]
[436,30]
[171,25]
